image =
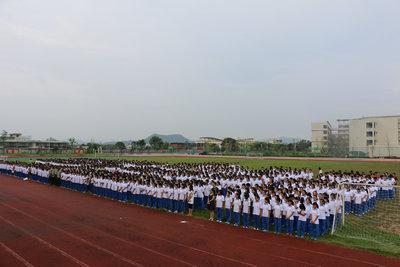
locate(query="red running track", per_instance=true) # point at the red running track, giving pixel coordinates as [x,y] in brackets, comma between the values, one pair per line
[42,225]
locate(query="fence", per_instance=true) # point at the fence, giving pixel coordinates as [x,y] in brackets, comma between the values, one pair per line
[370,219]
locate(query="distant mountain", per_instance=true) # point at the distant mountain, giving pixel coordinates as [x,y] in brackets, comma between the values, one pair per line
[172,138]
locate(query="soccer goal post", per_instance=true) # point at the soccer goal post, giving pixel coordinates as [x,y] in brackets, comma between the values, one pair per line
[370,216]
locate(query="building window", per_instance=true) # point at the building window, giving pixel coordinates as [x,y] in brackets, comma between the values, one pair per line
[370,134]
[370,125]
[325,132]
[325,138]
[325,126]
[370,142]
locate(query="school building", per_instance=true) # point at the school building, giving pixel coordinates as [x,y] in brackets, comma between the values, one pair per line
[16,143]
[377,136]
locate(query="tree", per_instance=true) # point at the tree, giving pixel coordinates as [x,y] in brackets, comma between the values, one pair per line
[139,145]
[92,147]
[72,142]
[3,137]
[230,145]
[156,142]
[120,146]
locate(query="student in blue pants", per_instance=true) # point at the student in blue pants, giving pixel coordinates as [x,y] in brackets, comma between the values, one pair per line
[302,221]
[228,207]
[237,205]
[314,222]
[290,217]
[278,215]
[219,204]
[256,212]
[265,214]
[246,210]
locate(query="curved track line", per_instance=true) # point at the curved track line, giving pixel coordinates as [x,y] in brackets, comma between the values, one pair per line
[16,255]
[76,237]
[45,242]
[155,237]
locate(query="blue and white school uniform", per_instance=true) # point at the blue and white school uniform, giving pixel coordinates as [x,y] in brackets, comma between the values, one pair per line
[322,219]
[256,214]
[228,209]
[278,217]
[301,224]
[246,212]
[219,202]
[266,211]
[315,224]
[237,204]
[290,219]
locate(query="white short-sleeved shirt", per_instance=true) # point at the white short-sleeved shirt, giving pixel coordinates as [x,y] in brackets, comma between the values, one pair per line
[236,205]
[314,216]
[246,206]
[219,201]
[266,210]
[278,211]
[256,208]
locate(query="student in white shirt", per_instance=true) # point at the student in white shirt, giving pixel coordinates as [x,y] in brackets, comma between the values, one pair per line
[256,212]
[228,207]
[302,221]
[190,200]
[278,215]
[246,210]
[290,217]
[266,211]
[237,205]
[314,220]
[219,203]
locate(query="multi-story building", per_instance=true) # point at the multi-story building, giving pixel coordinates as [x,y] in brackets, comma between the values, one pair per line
[320,135]
[16,143]
[375,136]
[368,136]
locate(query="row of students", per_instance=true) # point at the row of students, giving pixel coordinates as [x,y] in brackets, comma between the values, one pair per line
[262,200]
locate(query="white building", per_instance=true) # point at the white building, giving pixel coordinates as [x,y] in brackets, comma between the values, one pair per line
[375,136]
[368,136]
[320,134]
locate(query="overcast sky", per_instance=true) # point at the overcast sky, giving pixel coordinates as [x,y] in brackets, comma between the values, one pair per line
[125,69]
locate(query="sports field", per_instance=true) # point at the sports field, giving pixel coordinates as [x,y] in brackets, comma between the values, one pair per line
[42,225]
[362,233]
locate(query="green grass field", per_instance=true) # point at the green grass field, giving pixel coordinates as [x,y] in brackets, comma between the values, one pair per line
[378,231]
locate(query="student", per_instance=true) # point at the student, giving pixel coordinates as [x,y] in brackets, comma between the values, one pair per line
[219,205]
[256,212]
[314,219]
[347,200]
[301,224]
[266,211]
[278,215]
[211,204]
[322,217]
[237,205]
[290,217]
[246,210]
[228,207]
[358,198]
[190,200]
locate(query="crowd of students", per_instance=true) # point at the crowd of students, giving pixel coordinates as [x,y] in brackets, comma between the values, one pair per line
[292,201]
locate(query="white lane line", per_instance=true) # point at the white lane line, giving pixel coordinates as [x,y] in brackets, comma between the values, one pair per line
[76,237]
[45,242]
[16,255]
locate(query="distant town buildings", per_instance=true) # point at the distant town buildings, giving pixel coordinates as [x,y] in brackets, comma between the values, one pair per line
[16,143]
[368,136]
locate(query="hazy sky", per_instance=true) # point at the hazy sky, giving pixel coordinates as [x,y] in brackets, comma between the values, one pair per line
[126,69]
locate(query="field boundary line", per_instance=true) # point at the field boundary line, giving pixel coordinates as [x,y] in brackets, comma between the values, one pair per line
[16,255]
[65,254]
[75,237]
